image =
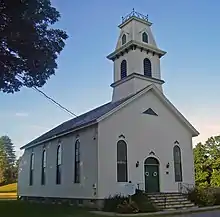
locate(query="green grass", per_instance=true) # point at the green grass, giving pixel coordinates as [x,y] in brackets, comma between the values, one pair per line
[25,209]
[11,188]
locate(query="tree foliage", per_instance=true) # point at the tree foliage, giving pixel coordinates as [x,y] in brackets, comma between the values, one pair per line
[207,163]
[29,46]
[8,163]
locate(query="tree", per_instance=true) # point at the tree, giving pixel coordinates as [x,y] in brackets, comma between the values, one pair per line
[8,160]
[3,164]
[9,149]
[207,162]
[29,46]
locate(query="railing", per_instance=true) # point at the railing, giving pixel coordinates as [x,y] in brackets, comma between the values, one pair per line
[185,188]
[134,14]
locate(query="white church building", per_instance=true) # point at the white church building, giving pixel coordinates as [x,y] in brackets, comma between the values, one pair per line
[139,136]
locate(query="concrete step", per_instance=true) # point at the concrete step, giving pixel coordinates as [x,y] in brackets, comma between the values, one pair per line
[158,200]
[170,201]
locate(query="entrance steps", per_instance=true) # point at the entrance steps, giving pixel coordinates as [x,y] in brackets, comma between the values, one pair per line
[170,201]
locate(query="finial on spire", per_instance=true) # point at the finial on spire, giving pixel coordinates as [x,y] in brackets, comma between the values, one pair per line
[134,14]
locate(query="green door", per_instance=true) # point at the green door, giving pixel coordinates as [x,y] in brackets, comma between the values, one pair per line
[151,173]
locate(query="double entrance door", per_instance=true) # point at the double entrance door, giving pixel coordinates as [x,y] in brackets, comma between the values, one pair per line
[151,174]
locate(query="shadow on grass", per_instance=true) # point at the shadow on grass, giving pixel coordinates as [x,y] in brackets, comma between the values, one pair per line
[26,209]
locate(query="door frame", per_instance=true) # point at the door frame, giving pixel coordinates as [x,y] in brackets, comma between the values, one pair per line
[158,165]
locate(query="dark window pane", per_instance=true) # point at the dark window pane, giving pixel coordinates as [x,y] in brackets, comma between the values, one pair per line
[122,172]
[77,162]
[177,163]
[123,69]
[58,178]
[147,67]
[145,37]
[31,177]
[31,169]
[43,176]
[123,39]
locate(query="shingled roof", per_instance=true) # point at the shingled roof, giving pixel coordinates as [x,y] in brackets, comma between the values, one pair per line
[80,121]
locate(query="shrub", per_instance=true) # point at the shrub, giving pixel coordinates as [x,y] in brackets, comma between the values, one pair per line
[202,196]
[111,203]
[138,202]
[143,202]
[127,207]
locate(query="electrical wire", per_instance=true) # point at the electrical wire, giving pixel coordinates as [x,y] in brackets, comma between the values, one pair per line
[48,97]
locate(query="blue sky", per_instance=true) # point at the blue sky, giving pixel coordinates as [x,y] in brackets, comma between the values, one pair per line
[189,32]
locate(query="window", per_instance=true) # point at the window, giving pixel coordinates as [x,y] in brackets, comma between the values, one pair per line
[31,169]
[77,162]
[43,172]
[122,170]
[123,40]
[59,161]
[123,69]
[145,37]
[177,164]
[147,67]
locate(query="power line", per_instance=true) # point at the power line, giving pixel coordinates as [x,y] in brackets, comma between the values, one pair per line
[49,98]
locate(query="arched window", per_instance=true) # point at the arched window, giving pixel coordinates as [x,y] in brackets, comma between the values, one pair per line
[147,67]
[145,37]
[44,163]
[59,162]
[122,168]
[123,40]
[31,178]
[77,162]
[123,69]
[177,164]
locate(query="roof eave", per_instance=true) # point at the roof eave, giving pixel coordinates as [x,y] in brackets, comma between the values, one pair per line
[29,145]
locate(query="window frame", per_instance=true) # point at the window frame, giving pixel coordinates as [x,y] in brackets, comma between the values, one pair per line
[147,67]
[122,164]
[145,37]
[43,169]
[177,164]
[123,68]
[31,175]
[123,39]
[77,158]
[59,164]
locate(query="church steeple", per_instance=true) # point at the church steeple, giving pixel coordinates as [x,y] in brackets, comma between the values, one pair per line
[136,57]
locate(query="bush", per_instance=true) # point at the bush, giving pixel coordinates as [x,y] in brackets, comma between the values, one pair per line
[111,203]
[143,202]
[203,196]
[138,202]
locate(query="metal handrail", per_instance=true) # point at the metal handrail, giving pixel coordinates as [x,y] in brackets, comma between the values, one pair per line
[134,14]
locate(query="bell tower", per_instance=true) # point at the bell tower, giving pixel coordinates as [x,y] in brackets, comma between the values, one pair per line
[136,57]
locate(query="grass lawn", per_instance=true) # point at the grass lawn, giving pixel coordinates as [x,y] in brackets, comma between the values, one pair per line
[24,209]
[11,188]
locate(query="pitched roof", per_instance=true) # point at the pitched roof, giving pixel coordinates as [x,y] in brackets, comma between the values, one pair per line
[80,121]
[102,112]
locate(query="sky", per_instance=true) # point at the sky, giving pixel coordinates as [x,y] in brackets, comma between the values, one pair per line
[189,32]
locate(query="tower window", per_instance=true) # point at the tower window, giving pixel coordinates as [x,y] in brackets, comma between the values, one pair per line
[145,37]
[147,67]
[58,172]
[122,167]
[177,164]
[123,69]
[123,40]
[77,162]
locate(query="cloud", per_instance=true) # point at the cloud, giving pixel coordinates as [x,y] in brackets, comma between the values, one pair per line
[21,114]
